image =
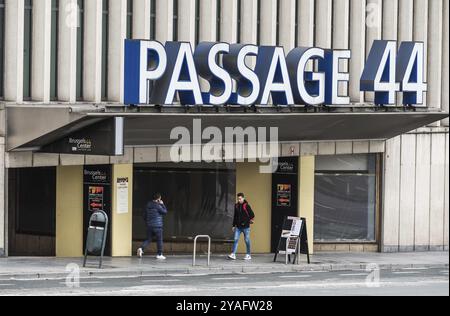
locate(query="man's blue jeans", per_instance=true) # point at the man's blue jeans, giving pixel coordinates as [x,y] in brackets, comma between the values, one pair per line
[158,233]
[237,236]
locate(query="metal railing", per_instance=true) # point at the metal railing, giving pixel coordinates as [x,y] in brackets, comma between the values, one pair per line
[195,248]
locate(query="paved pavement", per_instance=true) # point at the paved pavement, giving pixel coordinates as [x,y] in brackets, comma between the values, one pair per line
[400,282]
[57,268]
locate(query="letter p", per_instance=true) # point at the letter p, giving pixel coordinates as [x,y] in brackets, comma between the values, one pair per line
[145,61]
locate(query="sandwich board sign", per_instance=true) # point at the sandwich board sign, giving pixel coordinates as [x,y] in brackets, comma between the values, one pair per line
[293,240]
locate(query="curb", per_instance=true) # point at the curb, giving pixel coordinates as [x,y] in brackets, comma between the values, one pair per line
[190,271]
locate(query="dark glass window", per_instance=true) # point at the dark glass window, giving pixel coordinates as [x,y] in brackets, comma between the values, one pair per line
[175,20]
[80,49]
[105,43]
[2,46]
[278,23]
[27,49]
[200,201]
[54,51]
[153,19]
[219,19]
[34,200]
[239,21]
[129,18]
[345,198]
[258,25]
[197,22]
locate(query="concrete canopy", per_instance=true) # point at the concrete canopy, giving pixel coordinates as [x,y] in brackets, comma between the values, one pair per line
[31,130]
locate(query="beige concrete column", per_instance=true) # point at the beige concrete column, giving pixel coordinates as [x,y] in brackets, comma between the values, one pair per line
[258,190]
[69,211]
[306,186]
[122,219]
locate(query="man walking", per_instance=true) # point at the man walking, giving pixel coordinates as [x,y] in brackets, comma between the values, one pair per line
[153,216]
[243,218]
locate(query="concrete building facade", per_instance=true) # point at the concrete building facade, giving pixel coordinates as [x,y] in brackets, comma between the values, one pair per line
[69,54]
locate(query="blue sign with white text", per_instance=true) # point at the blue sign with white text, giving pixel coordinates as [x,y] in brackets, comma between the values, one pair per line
[161,74]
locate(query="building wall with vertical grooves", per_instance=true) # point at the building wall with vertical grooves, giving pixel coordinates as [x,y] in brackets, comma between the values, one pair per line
[415,164]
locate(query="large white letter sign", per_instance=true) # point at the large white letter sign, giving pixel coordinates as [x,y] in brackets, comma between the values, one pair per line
[248,86]
[308,87]
[181,76]
[379,75]
[206,58]
[157,74]
[272,71]
[145,61]
[330,65]
[410,72]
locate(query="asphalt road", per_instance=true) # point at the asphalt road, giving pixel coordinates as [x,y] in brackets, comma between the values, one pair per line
[406,282]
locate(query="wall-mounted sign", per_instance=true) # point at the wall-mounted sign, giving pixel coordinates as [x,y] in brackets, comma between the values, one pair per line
[158,74]
[95,198]
[102,138]
[284,195]
[122,195]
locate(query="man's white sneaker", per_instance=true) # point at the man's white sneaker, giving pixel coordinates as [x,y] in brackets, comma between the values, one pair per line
[232,256]
[140,252]
[248,258]
[161,257]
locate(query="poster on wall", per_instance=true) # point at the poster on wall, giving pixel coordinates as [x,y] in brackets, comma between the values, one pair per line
[284,195]
[95,198]
[122,195]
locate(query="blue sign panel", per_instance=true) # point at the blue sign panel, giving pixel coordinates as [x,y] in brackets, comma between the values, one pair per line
[169,74]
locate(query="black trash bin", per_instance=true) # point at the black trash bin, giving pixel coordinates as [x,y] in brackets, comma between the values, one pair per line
[96,236]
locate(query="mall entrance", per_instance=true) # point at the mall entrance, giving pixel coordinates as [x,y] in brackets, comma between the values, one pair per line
[200,199]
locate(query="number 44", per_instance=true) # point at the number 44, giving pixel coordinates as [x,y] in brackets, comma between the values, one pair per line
[388,72]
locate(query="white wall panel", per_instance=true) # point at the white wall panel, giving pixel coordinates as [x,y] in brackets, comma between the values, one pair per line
[391,207]
[67,51]
[407,192]
[437,187]
[422,193]
[14,28]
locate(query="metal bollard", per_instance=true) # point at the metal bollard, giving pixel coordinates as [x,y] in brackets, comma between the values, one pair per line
[195,248]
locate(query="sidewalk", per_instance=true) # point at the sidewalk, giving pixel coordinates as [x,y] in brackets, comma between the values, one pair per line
[55,268]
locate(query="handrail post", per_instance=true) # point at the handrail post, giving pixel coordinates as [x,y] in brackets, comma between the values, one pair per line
[195,249]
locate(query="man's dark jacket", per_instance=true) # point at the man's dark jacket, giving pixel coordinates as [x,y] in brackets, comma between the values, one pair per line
[153,214]
[243,215]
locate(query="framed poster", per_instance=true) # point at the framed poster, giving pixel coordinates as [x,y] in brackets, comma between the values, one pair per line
[95,198]
[284,195]
[122,188]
